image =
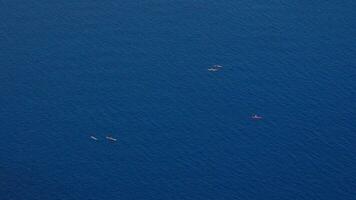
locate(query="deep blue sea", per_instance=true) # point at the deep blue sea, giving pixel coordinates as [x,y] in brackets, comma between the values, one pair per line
[137,71]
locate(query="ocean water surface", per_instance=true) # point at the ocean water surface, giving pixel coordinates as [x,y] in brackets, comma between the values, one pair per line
[137,71]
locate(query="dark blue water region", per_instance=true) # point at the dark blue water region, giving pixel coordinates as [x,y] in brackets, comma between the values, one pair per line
[137,71]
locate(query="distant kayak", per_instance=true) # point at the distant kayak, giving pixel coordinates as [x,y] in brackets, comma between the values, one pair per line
[111,138]
[94,138]
[256,117]
[213,69]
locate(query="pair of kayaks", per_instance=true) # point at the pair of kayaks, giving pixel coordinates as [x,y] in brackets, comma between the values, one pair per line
[107,137]
[215,68]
